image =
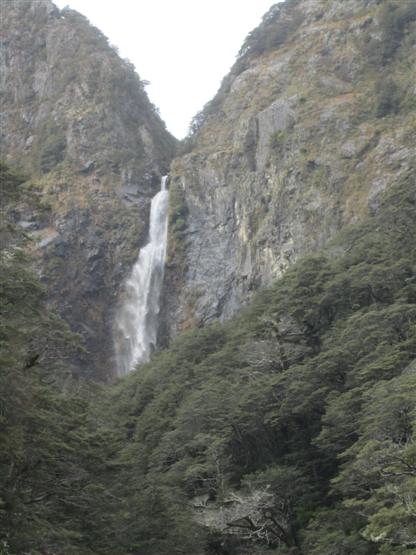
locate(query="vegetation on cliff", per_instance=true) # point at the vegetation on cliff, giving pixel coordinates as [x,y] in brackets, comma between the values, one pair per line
[395,21]
[40,412]
[297,416]
[289,428]
[316,118]
[76,117]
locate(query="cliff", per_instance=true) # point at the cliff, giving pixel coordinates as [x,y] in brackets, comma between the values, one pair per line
[314,121]
[75,116]
[288,428]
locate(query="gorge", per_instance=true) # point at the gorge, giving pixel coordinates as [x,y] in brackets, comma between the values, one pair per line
[219,362]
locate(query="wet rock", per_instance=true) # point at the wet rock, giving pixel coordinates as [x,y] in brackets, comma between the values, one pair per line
[76,117]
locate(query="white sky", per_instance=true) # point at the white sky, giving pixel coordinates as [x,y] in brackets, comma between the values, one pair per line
[183,47]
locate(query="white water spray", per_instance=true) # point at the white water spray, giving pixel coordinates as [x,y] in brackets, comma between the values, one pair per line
[137,319]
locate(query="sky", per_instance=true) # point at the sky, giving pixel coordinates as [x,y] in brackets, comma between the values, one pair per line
[182,47]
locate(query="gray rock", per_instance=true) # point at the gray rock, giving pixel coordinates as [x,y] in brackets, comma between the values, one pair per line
[291,154]
[78,116]
[88,166]
[28,225]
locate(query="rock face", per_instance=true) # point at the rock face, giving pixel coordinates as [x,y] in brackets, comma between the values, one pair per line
[314,121]
[76,117]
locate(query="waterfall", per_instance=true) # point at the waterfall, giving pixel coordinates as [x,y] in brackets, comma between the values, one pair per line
[137,318]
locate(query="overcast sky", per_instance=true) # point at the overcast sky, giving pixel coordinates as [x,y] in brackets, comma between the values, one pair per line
[183,47]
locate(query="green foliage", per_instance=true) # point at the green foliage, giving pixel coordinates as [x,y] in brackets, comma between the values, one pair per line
[280,409]
[11,184]
[178,214]
[395,18]
[52,146]
[277,140]
[388,97]
[209,109]
[178,210]
[395,21]
[278,25]
[384,458]
[39,453]
[294,422]
[335,531]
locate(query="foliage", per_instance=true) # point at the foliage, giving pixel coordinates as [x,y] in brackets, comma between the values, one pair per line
[40,446]
[278,25]
[178,214]
[290,427]
[388,98]
[209,109]
[395,21]
[278,418]
[395,18]
[277,140]
[52,146]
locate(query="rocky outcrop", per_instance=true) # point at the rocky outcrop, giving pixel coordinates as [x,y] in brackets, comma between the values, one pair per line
[76,117]
[314,121]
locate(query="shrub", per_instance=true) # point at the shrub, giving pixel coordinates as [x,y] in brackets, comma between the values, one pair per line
[395,19]
[51,145]
[388,98]
[52,152]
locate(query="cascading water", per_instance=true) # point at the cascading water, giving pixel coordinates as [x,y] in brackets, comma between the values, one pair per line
[137,319]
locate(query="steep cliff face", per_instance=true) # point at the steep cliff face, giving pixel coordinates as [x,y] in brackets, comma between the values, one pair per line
[76,117]
[315,120]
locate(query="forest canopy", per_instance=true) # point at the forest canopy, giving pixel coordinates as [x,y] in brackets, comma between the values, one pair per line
[291,427]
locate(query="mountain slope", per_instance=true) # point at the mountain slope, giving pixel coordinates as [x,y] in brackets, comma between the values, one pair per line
[314,121]
[292,425]
[76,117]
[288,428]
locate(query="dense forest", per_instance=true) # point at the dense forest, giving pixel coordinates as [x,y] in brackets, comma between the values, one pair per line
[292,424]
[288,428]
